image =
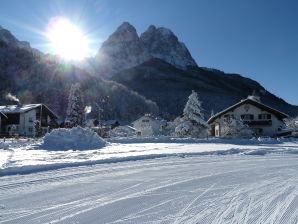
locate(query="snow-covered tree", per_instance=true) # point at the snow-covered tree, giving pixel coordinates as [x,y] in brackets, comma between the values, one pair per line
[292,123]
[192,124]
[75,115]
[235,128]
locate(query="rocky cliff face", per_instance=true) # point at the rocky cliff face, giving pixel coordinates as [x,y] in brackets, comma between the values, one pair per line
[125,49]
[163,44]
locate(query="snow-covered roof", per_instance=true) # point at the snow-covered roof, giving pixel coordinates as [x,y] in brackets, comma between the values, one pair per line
[9,109]
[278,113]
[12,109]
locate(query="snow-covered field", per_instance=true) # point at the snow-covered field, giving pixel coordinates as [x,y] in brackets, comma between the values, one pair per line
[151,181]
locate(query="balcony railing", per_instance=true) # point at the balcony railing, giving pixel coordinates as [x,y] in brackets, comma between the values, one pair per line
[257,122]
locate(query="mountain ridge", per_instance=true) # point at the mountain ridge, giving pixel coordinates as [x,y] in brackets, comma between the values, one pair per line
[169,87]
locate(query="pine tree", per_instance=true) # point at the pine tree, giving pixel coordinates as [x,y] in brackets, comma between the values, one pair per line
[192,124]
[75,110]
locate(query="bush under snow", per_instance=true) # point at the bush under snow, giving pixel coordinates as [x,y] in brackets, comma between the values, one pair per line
[77,138]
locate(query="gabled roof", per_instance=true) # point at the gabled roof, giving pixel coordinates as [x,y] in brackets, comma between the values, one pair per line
[255,103]
[12,109]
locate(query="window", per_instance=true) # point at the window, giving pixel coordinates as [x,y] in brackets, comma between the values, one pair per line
[145,121]
[264,116]
[30,119]
[247,117]
[229,117]
[30,129]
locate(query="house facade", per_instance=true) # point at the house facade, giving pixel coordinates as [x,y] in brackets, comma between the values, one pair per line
[262,119]
[149,125]
[21,119]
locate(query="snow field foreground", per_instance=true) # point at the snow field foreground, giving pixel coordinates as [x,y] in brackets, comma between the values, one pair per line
[23,157]
[195,189]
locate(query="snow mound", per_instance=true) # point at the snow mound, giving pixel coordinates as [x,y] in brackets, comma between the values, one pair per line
[77,138]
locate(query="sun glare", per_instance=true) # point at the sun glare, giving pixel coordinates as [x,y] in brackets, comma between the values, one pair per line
[67,40]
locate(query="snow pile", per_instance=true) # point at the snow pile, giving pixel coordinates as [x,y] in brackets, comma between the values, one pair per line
[77,138]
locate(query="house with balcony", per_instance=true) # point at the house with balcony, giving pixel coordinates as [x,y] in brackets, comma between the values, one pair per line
[21,119]
[262,119]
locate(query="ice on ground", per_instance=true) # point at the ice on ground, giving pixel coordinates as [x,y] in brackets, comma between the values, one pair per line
[77,138]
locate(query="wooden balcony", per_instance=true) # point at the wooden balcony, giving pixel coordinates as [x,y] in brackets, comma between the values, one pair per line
[257,122]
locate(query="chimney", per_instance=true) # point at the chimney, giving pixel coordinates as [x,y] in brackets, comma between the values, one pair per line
[254,96]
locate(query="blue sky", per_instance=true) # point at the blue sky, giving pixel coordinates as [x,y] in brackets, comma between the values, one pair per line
[255,38]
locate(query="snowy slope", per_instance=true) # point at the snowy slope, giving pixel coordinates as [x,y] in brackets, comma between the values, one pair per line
[195,189]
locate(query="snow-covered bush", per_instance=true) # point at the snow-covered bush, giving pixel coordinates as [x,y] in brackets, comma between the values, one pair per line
[235,128]
[192,124]
[77,138]
[292,123]
[75,111]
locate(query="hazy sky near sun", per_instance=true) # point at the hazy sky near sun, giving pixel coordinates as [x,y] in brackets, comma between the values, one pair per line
[255,38]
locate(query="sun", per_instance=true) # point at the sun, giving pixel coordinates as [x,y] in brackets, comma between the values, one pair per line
[67,40]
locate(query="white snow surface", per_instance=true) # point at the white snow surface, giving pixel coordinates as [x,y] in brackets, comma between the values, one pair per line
[151,180]
[76,138]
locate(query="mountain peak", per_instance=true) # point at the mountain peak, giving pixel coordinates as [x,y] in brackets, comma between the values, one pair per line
[151,28]
[125,49]
[162,43]
[126,26]
[125,32]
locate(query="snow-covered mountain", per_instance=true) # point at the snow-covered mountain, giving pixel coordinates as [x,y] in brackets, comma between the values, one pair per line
[149,70]
[35,78]
[125,49]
